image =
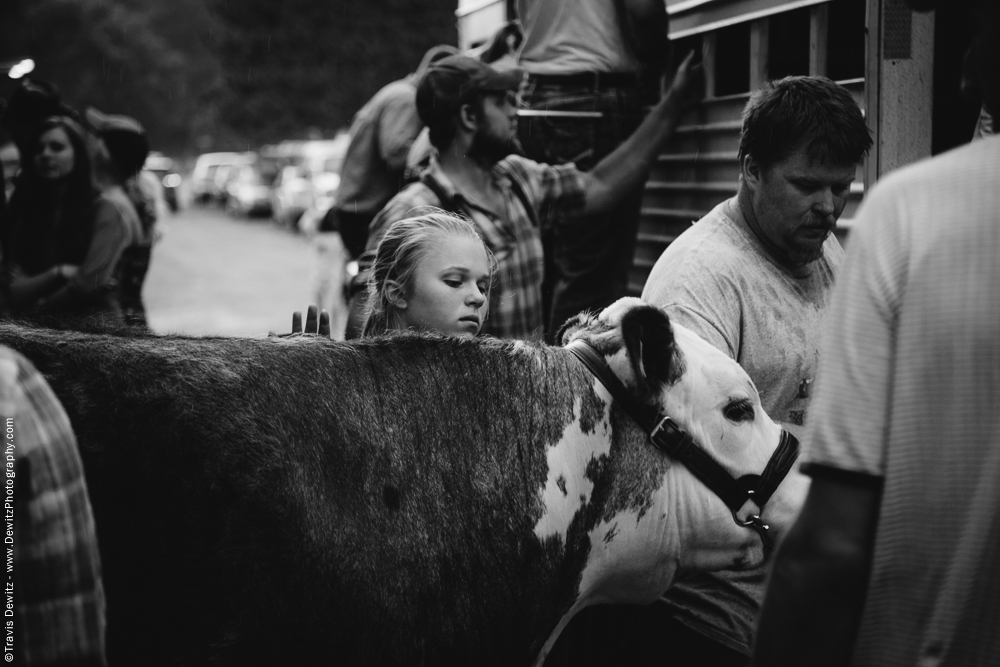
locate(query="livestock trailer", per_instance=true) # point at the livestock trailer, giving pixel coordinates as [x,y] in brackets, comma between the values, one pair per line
[902,67]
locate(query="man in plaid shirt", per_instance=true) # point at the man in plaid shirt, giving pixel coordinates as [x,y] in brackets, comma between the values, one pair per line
[469,109]
[58,598]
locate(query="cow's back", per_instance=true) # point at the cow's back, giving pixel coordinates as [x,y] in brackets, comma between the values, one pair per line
[268,501]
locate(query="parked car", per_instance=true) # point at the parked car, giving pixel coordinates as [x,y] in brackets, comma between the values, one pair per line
[248,188]
[225,174]
[309,179]
[203,177]
[163,168]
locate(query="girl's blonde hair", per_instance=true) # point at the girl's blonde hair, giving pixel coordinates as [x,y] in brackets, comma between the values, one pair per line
[404,244]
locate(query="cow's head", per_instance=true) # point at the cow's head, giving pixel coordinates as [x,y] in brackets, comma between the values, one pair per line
[713,399]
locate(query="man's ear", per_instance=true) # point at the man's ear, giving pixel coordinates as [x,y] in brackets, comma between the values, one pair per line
[468,117]
[394,294]
[751,171]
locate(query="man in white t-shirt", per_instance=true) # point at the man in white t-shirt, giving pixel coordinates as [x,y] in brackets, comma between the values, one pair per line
[753,277]
[895,558]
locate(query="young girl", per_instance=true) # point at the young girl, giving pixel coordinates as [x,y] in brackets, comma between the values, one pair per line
[431,272]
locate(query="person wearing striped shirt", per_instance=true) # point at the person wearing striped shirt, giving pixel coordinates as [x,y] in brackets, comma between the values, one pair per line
[55,577]
[895,558]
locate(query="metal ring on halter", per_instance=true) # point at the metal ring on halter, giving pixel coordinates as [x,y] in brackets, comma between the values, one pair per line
[753,521]
[757,524]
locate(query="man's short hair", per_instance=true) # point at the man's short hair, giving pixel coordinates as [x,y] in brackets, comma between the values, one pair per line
[803,110]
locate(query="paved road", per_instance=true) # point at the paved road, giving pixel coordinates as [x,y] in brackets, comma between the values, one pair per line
[214,275]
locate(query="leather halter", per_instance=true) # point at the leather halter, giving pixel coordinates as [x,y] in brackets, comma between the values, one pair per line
[667,436]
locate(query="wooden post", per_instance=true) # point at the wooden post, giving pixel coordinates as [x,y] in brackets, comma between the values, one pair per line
[819,31]
[759,31]
[899,85]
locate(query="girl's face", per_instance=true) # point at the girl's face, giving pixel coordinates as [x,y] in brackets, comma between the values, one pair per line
[448,290]
[55,158]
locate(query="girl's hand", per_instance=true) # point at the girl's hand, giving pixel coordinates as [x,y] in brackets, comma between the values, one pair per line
[314,325]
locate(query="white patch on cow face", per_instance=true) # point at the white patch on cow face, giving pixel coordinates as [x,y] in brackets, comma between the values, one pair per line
[567,488]
[713,382]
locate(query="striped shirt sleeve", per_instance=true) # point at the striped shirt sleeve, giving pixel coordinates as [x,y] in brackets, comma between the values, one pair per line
[59,608]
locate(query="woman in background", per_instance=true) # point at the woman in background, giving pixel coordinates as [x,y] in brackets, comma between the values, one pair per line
[64,237]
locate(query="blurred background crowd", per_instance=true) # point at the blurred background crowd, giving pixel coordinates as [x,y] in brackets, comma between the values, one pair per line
[242,109]
[246,109]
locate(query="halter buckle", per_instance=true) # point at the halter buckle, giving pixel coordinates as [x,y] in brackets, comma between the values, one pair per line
[665,424]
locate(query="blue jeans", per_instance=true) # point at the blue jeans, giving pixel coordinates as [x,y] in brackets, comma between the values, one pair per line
[588,259]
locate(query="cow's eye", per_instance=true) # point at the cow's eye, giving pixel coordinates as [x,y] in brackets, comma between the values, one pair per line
[739,411]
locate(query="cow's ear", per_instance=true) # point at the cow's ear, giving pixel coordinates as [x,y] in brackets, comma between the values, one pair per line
[649,341]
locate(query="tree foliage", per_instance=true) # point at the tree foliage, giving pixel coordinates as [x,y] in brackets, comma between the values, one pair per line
[224,74]
[126,57]
[300,64]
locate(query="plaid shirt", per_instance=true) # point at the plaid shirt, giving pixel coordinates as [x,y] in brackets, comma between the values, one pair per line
[57,591]
[512,235]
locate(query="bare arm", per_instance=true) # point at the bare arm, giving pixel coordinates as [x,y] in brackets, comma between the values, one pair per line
[28,290]
[629,164]
[816,592]
[111,237]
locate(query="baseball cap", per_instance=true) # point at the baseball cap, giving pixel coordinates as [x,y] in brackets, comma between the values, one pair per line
[123,136]
[453,81]
[102,122]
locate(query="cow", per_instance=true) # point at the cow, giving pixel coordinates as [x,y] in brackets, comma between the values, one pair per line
[404,500]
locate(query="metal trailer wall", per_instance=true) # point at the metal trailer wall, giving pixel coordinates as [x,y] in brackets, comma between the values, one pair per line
[700,170]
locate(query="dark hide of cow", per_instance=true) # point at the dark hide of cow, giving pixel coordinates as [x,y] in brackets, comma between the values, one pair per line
[305,502]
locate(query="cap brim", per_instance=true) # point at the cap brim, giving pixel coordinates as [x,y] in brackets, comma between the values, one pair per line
[504,80]
[95,118]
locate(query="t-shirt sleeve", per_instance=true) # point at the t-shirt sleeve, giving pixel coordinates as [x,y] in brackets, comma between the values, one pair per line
[705,327]
[848,419]
[702,300]
[398,126]
[112,235]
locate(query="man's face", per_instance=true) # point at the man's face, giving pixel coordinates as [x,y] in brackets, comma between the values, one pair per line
[796,203]
[496,136]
